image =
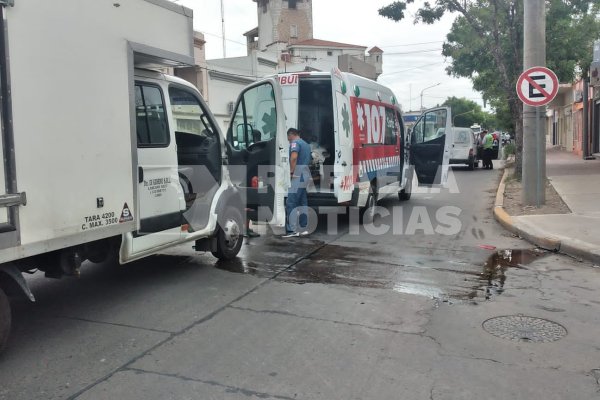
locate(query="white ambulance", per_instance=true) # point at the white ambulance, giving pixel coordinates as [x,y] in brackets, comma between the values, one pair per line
[360,148]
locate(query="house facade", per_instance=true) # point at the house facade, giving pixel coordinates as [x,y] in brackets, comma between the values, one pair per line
[565,118]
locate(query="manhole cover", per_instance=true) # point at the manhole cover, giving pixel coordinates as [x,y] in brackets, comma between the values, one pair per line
[525,329]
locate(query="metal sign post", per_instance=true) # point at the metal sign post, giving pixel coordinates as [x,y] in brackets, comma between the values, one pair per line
[536,87]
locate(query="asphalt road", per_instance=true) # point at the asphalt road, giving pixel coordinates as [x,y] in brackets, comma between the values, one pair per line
[344,314]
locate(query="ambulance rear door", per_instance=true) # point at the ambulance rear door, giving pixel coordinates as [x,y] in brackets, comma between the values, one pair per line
[343,181]
[257,148]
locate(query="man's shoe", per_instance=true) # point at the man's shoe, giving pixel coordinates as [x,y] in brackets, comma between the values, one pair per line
[305,233]
[291,235]
[251,234]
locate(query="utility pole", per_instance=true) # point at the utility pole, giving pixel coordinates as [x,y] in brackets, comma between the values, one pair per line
[534,135]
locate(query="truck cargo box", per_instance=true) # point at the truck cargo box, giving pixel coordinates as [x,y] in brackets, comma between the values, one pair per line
[68,115]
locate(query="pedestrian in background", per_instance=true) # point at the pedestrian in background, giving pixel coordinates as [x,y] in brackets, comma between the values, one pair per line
[296,205]
[488,150]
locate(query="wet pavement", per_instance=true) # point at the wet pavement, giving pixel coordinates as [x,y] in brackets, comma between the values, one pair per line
[350,315]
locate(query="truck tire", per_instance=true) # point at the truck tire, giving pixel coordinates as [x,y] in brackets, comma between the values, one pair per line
[229,234]
[5,320]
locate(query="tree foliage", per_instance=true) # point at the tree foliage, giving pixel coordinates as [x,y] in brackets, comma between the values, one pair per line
[485,44]
[465,112]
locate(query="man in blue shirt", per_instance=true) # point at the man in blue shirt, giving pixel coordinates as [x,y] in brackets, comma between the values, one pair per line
[296,205]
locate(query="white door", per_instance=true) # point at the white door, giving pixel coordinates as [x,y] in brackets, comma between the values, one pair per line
[461,143]
[258,150]
[430,146]
[10,199]
[343,182]
[160,196]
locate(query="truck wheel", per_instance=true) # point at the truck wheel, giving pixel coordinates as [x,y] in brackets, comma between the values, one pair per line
[229,234]
[5,318]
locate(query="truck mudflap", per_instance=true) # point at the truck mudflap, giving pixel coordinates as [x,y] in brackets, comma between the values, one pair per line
[10,271]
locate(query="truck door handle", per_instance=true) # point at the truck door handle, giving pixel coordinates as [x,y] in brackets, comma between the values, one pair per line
[140,174]
[344,164]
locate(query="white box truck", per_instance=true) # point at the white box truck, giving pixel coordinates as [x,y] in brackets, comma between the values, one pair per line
[102,154]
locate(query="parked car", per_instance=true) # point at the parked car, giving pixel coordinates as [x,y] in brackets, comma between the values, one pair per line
[463,149]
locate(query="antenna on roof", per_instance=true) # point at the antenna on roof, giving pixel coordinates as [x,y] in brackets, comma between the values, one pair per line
[223,28]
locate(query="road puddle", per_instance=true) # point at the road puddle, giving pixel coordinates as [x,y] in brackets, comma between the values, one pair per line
[446,274]
[498,263]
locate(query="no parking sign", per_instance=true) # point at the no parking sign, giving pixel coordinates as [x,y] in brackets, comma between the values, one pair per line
[537,86]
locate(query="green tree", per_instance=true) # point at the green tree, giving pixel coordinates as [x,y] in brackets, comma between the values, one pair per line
[485,44]
[465,112]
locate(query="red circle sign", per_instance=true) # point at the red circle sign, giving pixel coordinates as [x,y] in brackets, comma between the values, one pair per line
[537,86]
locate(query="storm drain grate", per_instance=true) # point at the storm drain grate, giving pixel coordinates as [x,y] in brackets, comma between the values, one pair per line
[524,329]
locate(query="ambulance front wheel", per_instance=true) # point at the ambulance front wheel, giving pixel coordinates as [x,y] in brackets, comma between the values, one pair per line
[229,234]
[5,319]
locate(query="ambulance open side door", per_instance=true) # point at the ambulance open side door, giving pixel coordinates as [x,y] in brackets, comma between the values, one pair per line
[258,151]
[343,180]
[430,146]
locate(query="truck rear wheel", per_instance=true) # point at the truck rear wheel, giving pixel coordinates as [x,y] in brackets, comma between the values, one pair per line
[229,234]
[5,320]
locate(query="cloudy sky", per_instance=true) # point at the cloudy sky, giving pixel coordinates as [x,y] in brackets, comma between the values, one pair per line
[412,53]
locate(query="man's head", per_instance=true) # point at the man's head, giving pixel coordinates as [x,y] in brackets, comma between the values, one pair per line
[293,134]
[256,136]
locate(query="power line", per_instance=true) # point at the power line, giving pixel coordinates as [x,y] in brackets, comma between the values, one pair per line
[412,52]
[221,37]
[386,74]
[412,44]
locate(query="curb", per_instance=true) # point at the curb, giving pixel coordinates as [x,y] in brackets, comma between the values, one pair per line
[571,247]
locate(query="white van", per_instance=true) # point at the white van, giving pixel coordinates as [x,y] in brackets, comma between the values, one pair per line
[464,147]
[361,150]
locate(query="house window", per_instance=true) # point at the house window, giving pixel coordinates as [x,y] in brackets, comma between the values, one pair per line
[330,53]
[294,31]
[292,4]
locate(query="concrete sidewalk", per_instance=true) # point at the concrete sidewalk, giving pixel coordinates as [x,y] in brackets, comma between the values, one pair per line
[578,184]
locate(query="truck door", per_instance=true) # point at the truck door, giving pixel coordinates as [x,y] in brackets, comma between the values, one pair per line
[257,149]
[160,197]
[343,181]
[10,198]
[430,146]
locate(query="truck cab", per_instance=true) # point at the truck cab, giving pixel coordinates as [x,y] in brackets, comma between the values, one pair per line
[183,184]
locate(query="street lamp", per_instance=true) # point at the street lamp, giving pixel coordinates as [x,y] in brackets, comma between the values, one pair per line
[457,115]
[428,87]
